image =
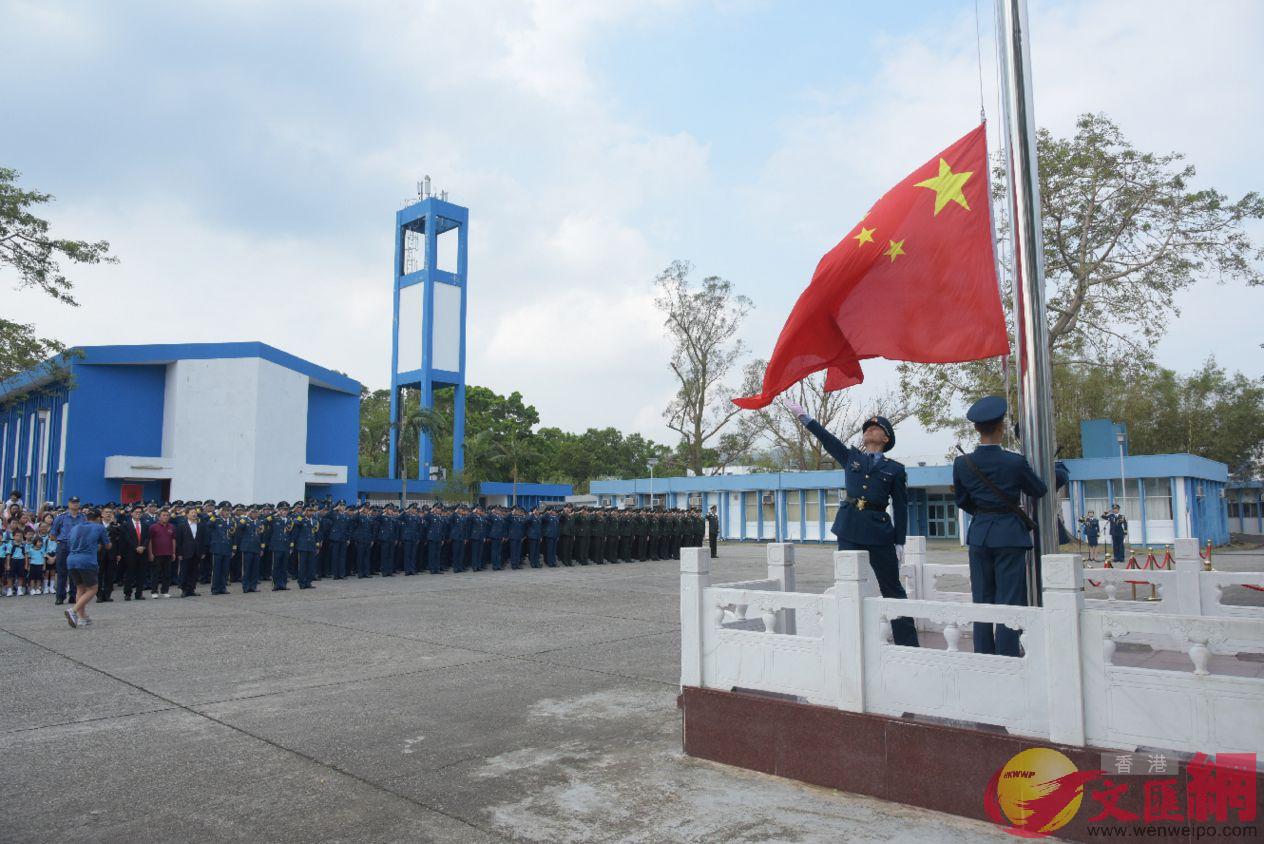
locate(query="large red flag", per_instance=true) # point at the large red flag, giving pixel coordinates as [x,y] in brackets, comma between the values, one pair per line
[915,280]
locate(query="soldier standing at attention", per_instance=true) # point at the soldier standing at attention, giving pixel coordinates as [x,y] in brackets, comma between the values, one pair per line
[221,529]
[409,535]
[862,523]
[517,530]
[713,529]
[582,528]
[249,546]
[362,530]
[436,532]
[336,539]
[566,536]
[535,532]
[306,540]
[478,539]
[551,530]
[1118,530]
[387,537]
[277,537]
[496,537]
[988,483]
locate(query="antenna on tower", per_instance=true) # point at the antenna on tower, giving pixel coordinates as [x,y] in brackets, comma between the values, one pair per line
[426,185]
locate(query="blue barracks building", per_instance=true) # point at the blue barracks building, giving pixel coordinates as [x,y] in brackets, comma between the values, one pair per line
[1164,496]
[247,422]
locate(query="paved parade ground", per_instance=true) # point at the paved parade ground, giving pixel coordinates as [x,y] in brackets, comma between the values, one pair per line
[534,705]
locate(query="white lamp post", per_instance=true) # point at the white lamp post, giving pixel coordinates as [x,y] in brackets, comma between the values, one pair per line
[652,461]
[1123,480]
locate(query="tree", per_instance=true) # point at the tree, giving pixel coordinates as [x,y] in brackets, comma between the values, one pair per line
[1123,234]
[790,444]
[27,247]
[702,321]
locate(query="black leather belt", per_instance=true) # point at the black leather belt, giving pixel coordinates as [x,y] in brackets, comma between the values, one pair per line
[863,503]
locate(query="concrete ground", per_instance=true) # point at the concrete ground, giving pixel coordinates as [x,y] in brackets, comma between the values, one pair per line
[526,706]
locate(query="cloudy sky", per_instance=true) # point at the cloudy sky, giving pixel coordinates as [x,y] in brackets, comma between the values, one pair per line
[245,159]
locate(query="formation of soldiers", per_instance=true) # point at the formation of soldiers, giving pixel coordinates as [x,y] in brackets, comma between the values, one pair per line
[310,541]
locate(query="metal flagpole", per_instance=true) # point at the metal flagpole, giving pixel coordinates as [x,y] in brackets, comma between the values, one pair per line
[1035,397]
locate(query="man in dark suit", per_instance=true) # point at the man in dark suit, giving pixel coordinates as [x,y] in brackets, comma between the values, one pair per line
[997,537]
[713,529]
[188,553]
[133,546]
[873,480]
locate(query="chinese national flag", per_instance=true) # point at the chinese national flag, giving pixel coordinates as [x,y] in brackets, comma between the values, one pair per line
[915,280]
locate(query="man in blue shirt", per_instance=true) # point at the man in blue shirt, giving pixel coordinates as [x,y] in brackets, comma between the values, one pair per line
[997,538]
[62,526]
[81,564]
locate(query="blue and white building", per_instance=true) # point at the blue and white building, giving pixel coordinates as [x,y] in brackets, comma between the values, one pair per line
[244,422]
[1164,496]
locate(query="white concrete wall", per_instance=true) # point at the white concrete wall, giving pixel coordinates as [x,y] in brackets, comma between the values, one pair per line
[208,427]
[281,433]
[235,429]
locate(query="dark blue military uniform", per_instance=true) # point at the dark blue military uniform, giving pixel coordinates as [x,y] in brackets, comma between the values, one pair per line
[387,537]
[409,536]
[517,530]
[478,540]
[249,546]
[862,523]
[551,531]
[1118,529]
[336,538]
[362,531]
[304,534]
[997,539]
[436,533]
[496,528]
[278,541]
[535,525]
[220,529]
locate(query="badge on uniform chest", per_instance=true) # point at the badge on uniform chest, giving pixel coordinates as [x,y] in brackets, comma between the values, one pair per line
[855,465]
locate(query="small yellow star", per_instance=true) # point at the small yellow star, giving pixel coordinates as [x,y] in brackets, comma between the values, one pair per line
[895,250]
[865,236]
[947,187]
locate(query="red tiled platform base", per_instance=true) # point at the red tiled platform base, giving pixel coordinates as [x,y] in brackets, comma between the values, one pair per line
[928,765]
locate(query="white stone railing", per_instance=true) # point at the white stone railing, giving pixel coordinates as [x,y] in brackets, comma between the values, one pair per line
[1185,589]
[835,649]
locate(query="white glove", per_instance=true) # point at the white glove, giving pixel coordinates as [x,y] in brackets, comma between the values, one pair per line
[793,407]
[899,553]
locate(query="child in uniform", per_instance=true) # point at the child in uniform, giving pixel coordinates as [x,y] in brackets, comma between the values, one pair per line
[36,553]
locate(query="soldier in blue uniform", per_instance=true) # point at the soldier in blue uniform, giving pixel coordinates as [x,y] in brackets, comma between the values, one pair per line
[1118,530]
[279,545]
[221,529]
[305,536]
[362,531]
[1091,529]
[436,533]
[862,523]
[997,537]
[550,531]
[535,531]
[249,547]
[496,528]
[516,531]
[478,539]
[387,537]
[409,536]
[336,540]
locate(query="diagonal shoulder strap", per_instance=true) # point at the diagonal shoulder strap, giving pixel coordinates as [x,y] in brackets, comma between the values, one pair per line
[996,490]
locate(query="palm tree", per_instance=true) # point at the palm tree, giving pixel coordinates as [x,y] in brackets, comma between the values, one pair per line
[416,421]
[514,448]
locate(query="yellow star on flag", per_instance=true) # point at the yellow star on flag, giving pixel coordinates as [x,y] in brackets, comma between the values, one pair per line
[865,236]
[947,186]
[895,250]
